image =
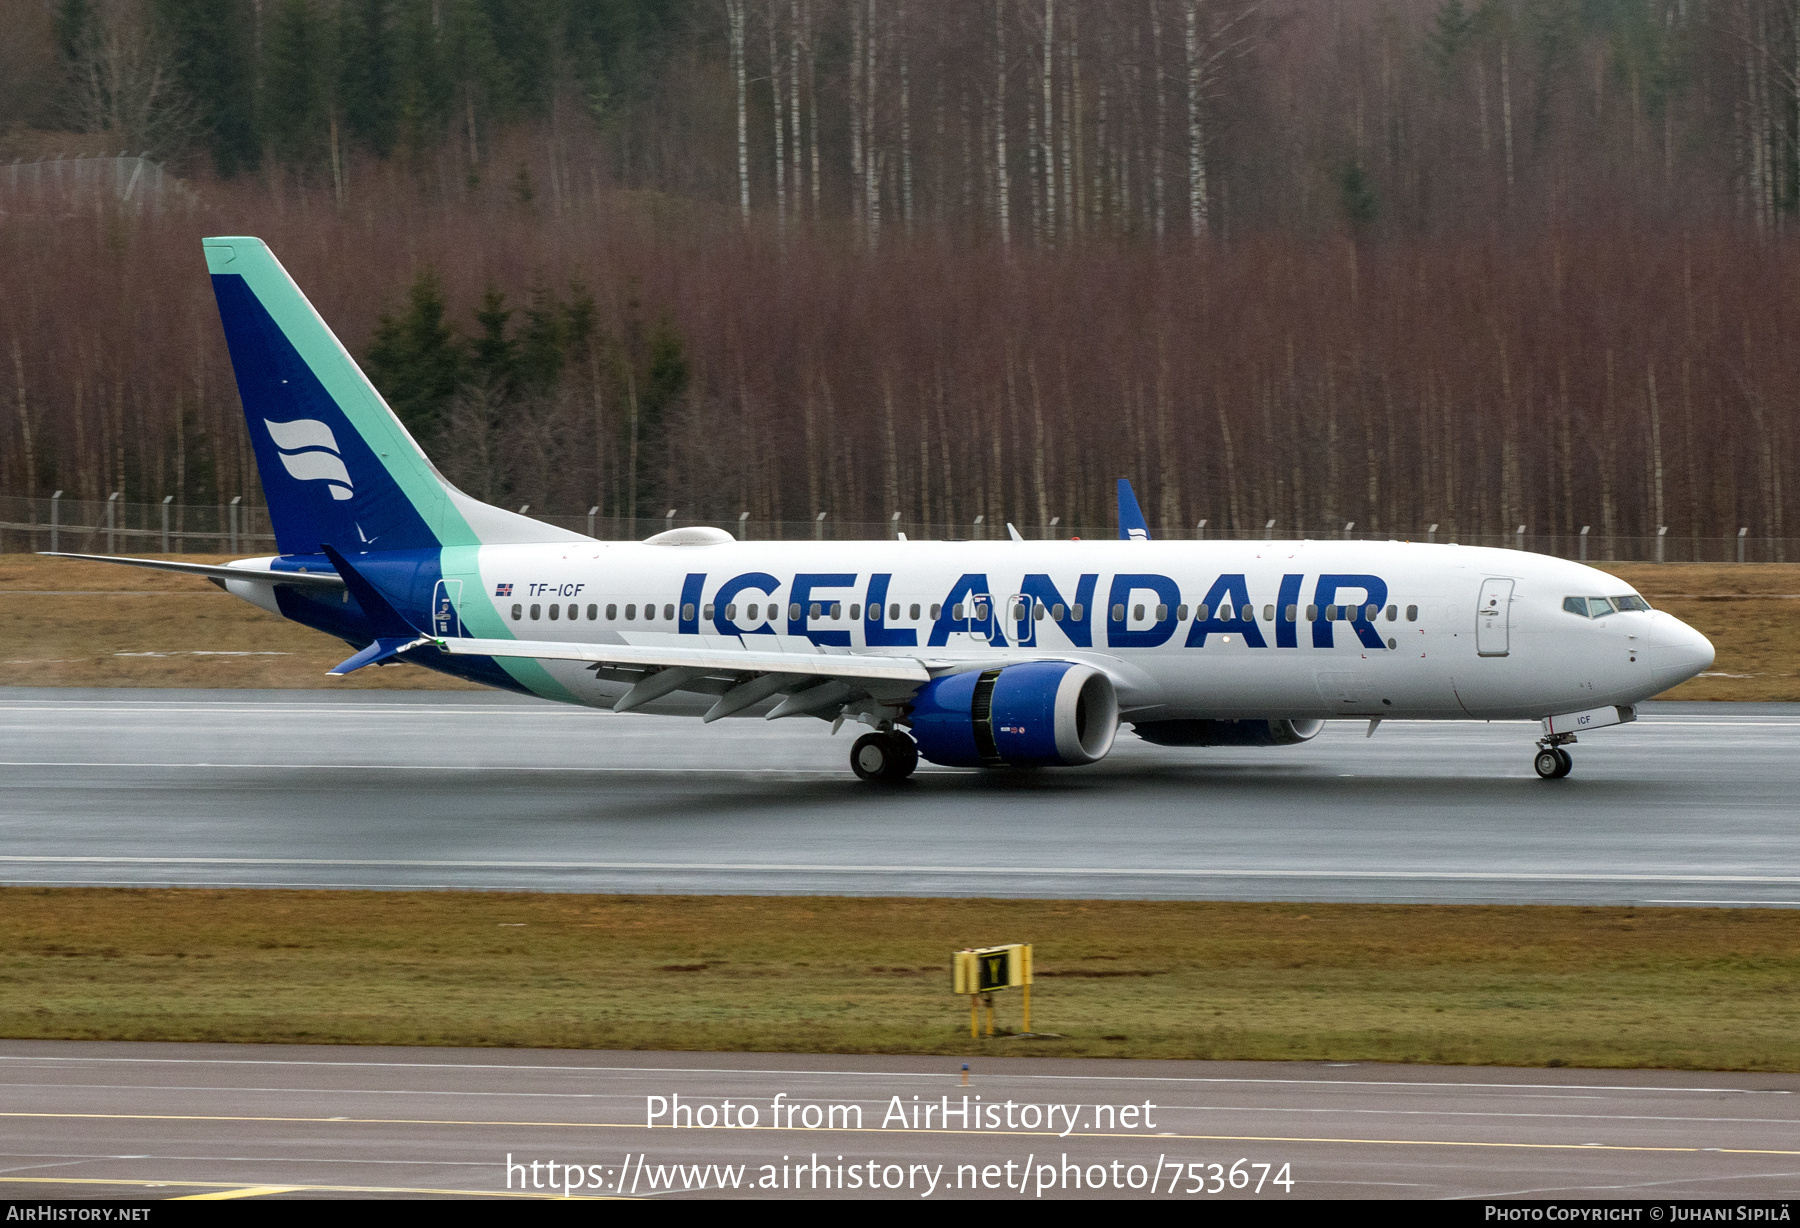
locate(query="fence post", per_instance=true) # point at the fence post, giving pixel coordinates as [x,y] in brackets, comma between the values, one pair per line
[819,527]
[1269,531]
[1584,537]
[592,512]
[894,526]
[1519,536]
[1054,521]
[56,522]
[979,531]
[167,499]
[1200,531]
[1431,534]
[669,520]
[1348,525]
[1662,531]
[112,522]
[235,537]
[743,526]
[1742,533]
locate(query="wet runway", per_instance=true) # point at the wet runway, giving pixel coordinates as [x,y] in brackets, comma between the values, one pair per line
[1691,805]
[131,1121]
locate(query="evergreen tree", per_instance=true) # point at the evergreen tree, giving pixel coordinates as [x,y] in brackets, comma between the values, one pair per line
[214,53]
[416,361]
[423,89]
[367,74]
[296,94]
[496,354]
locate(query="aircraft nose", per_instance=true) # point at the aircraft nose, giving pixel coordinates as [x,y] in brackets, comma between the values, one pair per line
[1677,651]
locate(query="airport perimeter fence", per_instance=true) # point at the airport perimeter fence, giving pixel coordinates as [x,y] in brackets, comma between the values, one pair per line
[60,186]
[114,526]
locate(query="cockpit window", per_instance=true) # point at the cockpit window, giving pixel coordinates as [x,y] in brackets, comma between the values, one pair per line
[1631,602]
[1599,607]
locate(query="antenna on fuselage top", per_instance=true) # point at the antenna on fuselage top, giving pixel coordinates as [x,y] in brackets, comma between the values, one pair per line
[1132,525]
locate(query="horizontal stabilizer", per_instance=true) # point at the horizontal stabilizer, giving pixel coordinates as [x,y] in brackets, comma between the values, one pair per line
[213,571]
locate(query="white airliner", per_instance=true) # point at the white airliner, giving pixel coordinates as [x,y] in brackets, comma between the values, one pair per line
[1001,654]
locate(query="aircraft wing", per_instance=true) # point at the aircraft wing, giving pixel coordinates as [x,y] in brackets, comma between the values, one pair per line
[833,665]
[806,683]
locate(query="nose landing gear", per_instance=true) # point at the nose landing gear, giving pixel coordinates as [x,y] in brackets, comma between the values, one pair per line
[885,758]
[1552,762]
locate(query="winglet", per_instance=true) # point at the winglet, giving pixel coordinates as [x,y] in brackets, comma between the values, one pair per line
[393,633]
[1132,526]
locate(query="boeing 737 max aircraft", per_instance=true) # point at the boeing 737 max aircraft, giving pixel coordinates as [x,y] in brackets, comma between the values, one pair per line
[976,654]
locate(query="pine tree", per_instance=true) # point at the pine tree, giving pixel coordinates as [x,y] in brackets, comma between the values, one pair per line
[367,76]
[214,54]
[296,91]
[416,360]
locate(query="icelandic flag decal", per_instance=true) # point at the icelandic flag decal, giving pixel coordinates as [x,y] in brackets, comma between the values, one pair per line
[502,590]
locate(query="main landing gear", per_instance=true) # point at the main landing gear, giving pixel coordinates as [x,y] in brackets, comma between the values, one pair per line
[886,757]
[1552,762]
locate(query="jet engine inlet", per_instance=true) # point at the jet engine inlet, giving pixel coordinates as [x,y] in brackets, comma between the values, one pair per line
[1034,714]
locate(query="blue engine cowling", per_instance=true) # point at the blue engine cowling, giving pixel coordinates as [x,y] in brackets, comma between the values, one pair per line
[1227,733]
[1033,714]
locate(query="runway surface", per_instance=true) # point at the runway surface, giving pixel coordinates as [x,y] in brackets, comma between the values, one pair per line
[1693,804]
[99,1120]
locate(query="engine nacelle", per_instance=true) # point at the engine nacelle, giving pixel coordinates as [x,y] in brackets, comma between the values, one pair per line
[1033,714]
[1228,733]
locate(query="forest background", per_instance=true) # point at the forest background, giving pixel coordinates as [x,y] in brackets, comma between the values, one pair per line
[1476,263]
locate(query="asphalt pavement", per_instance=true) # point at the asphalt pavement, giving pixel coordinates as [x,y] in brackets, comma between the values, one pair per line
[135,1121]
[1693,804]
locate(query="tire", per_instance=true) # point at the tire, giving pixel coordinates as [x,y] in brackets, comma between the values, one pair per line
[872,758]
[1548,763]
[906,755]
[1568,763]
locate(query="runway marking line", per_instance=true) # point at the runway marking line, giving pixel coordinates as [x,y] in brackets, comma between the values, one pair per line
[799,868]
[1148,1138]
[905,1074]
[234,1190]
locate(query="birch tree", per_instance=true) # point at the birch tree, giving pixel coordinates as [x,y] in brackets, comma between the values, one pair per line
[734,14]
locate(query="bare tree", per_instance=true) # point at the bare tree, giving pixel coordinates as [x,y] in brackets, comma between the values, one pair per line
[122,82]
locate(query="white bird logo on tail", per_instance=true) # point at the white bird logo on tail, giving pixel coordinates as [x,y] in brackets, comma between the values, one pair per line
[309,452]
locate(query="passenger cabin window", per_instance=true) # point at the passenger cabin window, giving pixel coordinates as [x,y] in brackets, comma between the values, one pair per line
[631,613]
[593,612]
[1393,613]
[669,612]
[1312,613]
[518,612]
[706,611]
[731,611]
[1292,611]
[1268,613]
[956,612]
[915,612]
[1038,611]
[612,612]
[936,612]
[535,611]
[555,610]
[1202,611]
[1369,613]
[794,611]
[1181,613]
[1137,613]
[1056,612]
[1076,611]
[1412,613]
[687,612]
[1162,612]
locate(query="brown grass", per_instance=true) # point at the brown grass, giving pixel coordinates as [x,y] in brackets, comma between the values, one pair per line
[79,624]
[1695,988]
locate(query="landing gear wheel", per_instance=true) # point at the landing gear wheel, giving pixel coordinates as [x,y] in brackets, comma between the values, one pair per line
[1568,763]
[1552,763]
[884,757]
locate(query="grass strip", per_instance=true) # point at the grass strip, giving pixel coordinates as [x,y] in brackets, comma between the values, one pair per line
[1532,985]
